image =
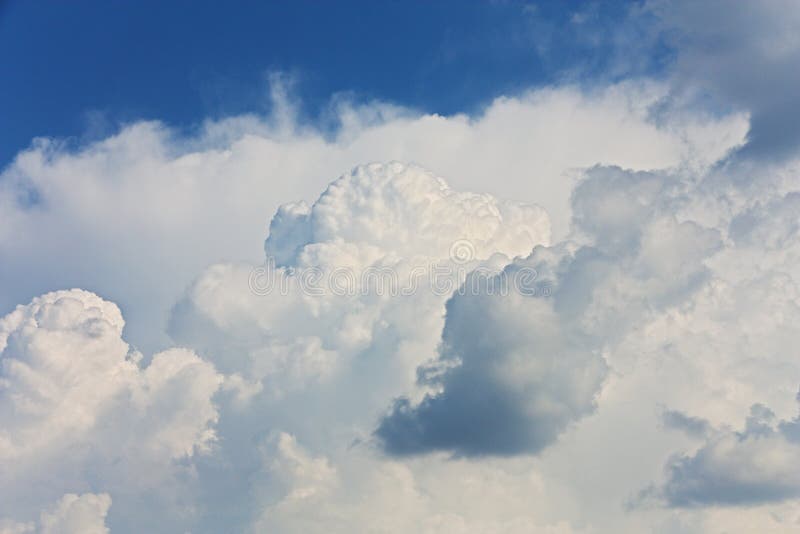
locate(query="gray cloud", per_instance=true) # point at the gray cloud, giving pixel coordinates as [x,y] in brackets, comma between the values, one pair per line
[514,371]
[515,378]
[759,464]
[693,426]
[745,55]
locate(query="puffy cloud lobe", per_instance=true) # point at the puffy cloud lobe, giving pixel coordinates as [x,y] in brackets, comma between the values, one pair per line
[758,464]
[404,211]
[77,514]
[72,514]
[53,352]
[342,356]
[65,365]
[639,259]
[611,205]
[730,345]
[76,405]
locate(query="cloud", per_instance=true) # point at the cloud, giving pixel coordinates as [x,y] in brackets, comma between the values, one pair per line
[344,355]
[78,409]
[738,468]
[386,228]
[312,493]
[153,203]
[77,513]
[406,211]
[664,282]
[694,426]
[515,369]
[642,303]
[746,57]
[515,376]
[72,514]
[384,219]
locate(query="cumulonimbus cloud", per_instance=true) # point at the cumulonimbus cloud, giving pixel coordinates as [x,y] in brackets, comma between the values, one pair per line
[664,282]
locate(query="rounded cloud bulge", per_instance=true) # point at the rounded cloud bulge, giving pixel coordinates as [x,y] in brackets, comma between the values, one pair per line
[80,412]
[407,211]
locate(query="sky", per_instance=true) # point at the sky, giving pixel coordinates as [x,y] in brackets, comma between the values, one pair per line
[459,267]
[77,70]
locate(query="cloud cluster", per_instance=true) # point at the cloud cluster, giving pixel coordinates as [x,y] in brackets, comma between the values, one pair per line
[535,364]
[640,303]
[79,410]
[136,216]
[384,219]
[659,277]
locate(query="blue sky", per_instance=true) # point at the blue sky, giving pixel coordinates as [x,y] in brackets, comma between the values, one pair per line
[79,69]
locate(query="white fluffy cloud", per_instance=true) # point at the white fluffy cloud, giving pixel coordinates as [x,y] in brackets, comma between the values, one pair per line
[388,220]
[659,278]
[378,222]
[536,362]
[79,410]
[645,290]
[403,211]
[72,514]
[138,215]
